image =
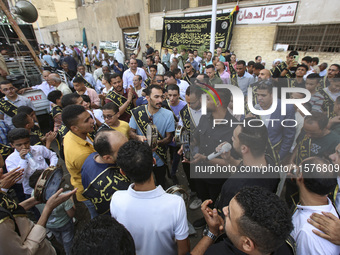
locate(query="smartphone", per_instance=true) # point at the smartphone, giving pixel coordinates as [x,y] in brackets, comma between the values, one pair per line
[296,60]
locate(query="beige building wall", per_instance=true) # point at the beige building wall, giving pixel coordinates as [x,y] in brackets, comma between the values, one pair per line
[250,41]
[100,20]
[68,32]
[52,12]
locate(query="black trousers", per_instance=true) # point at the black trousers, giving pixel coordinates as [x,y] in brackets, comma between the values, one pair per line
[192,185]
[208,189]
[159,172]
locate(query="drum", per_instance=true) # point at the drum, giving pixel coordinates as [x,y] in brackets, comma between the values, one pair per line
[152,135]
[181,135]
[179,191]
[48,183]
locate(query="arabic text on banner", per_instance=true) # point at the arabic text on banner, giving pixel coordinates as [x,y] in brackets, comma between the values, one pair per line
[194,32]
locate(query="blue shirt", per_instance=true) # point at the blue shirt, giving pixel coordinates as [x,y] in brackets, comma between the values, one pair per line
[91,169]
[164,121]
[244,82]
[48,59]
[141,100]
[194,65]
[166,59]
[116,70]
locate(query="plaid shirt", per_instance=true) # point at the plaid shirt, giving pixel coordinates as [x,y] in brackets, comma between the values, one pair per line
[4,129]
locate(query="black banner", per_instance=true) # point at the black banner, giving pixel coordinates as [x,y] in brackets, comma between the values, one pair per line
[194,32]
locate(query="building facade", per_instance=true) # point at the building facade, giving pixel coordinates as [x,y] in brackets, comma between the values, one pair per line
[310,26]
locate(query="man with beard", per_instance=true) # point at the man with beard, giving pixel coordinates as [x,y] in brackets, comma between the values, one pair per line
[163,119]
[207,136]
[250,144]
[256,222]
[263,75]
[124,99]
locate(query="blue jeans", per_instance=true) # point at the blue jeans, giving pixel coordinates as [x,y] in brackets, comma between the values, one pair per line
[91,207]
[64,235]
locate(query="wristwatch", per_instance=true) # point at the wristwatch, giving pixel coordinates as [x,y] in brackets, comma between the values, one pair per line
[206,232]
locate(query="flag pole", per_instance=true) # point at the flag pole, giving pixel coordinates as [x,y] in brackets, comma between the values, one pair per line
[213,26]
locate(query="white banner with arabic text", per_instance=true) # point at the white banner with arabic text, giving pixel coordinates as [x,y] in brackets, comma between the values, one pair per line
[267,14]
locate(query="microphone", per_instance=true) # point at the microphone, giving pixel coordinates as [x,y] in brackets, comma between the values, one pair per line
[257,107]
[225,148]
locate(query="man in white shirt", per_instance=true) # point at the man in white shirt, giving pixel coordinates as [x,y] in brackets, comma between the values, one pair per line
[156,220]
[54,80]
[20,141]
[131,72]
[119,56]
[160,67]
[314,186]
[44,86]
[175,54]
[323,69]
[137,83]
[98,72]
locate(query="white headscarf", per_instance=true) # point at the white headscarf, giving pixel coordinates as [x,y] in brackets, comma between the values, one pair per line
[276,60]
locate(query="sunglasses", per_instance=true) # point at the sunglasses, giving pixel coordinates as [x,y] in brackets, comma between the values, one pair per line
[187,66]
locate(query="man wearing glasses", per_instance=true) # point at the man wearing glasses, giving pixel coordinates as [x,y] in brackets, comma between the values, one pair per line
[332,72]
[10,103]
[190,74]
[163,119]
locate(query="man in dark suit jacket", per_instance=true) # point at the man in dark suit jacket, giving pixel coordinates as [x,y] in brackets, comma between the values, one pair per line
[281,128]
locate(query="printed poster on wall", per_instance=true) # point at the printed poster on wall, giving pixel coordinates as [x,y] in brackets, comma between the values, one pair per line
[131,40]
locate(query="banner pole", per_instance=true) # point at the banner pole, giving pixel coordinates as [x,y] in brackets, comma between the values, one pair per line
[213,26]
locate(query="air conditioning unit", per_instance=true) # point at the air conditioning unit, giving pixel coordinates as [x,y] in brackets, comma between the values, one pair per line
[281,47]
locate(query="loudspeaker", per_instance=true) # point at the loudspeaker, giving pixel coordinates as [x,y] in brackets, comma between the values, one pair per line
[25,11]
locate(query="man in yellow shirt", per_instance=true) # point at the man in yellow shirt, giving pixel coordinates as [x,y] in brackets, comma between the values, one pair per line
[111,115]
[77,146]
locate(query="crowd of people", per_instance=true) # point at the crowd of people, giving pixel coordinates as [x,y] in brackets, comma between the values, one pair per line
[101,121]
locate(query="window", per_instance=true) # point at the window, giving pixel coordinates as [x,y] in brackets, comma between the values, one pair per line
[314,38]
[167,5]
[209,2]
[159,34]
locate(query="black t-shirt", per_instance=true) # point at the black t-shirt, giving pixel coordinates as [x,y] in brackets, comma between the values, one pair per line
[149,51]
[209,137]
[243,179]
[226,247]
